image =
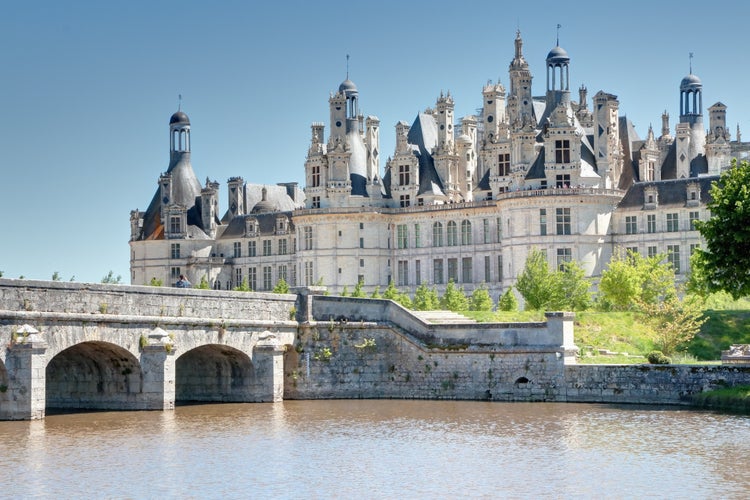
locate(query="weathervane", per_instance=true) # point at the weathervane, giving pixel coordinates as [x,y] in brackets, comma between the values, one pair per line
[691,63]
[347,66]
[558,33]
[179,102]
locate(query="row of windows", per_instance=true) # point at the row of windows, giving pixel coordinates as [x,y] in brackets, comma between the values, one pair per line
[283,272]
[439,268]
[673,254]
[562,221]
[672,222]
[267,248]
[451,234]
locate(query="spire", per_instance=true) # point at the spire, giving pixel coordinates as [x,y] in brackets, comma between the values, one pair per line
[558,34]
[691,63]
[347,66]
[179,102]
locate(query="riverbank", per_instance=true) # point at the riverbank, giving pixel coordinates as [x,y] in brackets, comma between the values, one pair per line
[735,399]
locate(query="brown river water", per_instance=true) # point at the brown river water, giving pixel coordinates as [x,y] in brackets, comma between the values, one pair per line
[380,449]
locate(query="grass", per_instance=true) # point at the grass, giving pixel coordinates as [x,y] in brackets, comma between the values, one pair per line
[623,332]
[730,398]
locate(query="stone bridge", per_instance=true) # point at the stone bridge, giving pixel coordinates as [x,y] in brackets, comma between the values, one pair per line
[110,347]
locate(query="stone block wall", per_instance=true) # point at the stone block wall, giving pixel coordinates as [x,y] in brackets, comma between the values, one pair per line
[92,298]
[648,384]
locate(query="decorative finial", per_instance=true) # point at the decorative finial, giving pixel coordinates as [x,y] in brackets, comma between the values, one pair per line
[691,63]
[558,33]
[179,102]
[347,66]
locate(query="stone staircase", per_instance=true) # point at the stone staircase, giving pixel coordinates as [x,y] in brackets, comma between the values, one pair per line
[442,317]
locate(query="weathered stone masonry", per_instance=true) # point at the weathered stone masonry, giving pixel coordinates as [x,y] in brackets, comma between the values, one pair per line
[69,345]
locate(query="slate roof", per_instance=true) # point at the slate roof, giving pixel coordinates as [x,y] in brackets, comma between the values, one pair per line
[186,192]
[423,135]
[266,224]
[671,193]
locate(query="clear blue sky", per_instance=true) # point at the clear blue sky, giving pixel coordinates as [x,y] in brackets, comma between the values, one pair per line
[87,89]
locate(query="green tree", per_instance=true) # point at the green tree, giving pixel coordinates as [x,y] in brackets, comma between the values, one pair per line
[536,284]
[155,282]
[508,301]
[358,291]
[56,276]
[376,293]
[631,279]
[345,291]
[112,279]
[243,287]
[480,299]
[573,290]
[425,298]
[1,274]
[454,298]
[281,286]
[203,285]
[393,293]
[673,322]
[725,263]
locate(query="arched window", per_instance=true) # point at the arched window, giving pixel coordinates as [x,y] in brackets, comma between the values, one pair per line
[452,234]
[437,234]
[466,232]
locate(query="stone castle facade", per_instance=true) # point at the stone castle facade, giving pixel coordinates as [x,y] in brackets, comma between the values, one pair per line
[458,200]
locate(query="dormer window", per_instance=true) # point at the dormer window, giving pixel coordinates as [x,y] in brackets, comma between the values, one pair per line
[251,227]
[650,197]
[693,194]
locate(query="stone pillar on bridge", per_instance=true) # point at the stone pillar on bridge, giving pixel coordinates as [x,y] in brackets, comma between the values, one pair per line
[26,365]
[158,368]
[268,362]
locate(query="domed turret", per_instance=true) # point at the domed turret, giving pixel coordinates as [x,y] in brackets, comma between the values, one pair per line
[558,55]
[691,82]
[179,117]
[263,205]
[348,87]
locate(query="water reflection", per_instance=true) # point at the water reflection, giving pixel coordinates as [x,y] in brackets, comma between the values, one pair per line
[379,449]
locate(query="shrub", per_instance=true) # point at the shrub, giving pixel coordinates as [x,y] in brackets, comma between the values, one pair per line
[658,358]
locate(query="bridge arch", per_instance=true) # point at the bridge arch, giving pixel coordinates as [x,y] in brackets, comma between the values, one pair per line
[93,375]
[215,373]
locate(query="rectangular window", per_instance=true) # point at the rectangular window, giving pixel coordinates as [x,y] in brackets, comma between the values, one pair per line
[402,236]
[633,250]
[651,251]
[631,224]
[308,237]
[417,272]
[499,230]
[361,243]
[694,216]
[175,250]
[563,220]
[453,270]
[405,200]
[486,231]
[467,273]
[237,246]
[309,281]
[282,247]
[417,236]
[650,170]
[315,202]
[437,271]
[282,272]
[266,277]
[403,273]
[673,223]
[175,273]
[651,223]
[673,257]
[562,181]
[252,248]
[252,278]
[503,161]
[238,276]
[404,179]
[174,225]
[562,151]
[499,268]
[266,247]
[543,221]
[487,270]
[315,180]
[563,255]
